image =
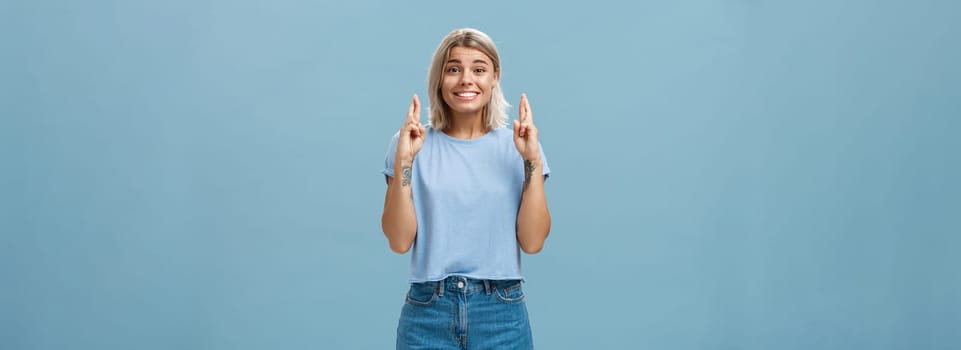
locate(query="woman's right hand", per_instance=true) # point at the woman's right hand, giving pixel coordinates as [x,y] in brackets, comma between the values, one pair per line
[412,134]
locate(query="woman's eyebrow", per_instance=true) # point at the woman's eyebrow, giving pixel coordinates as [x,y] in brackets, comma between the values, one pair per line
[475,61]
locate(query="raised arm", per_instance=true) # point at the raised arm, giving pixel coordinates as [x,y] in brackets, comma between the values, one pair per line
[533,218]
[399,221]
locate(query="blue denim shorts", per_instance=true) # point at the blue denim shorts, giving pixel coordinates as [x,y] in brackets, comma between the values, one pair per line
[464,313]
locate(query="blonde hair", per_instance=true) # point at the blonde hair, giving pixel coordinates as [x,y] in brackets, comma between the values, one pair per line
[495,113]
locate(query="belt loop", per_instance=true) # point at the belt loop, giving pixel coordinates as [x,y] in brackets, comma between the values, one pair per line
[440,288]
[487,287]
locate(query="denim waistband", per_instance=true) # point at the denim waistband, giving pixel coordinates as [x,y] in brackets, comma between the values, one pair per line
[466,285]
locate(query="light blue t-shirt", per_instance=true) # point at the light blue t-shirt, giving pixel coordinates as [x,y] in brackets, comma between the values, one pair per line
[466,197]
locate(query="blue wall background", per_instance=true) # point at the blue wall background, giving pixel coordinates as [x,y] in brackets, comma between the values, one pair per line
[727,174]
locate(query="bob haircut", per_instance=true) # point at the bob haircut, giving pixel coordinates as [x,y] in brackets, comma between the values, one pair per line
[495,113]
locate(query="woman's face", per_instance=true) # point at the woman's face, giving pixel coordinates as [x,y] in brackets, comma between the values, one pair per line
[467,80]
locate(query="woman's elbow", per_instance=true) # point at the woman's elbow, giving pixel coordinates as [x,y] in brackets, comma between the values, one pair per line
[396,236]
[398,244]
[532,240]
[532,247]
[400,247]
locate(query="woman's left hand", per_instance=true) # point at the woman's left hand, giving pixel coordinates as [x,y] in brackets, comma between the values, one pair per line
[525,134]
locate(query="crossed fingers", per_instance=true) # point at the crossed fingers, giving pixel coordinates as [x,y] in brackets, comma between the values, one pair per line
[526,117]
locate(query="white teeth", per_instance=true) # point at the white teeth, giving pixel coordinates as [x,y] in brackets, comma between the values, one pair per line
[466,94]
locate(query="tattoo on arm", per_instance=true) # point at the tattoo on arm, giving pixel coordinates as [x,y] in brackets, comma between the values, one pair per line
[405,176]
[528,171]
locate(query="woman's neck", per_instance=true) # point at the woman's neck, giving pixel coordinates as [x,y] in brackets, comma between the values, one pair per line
[466,126]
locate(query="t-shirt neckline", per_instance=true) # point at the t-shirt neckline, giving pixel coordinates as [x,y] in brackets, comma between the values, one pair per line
[481,138]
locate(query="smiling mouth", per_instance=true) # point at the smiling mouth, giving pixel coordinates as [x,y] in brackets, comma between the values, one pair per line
[466,94]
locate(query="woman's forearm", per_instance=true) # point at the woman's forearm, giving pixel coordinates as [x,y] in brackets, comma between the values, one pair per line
[533,219]
[399,221]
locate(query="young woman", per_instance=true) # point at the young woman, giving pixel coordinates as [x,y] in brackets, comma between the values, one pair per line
[467,192]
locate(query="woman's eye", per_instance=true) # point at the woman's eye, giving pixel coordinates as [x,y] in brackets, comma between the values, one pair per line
[479,70]
[453,70]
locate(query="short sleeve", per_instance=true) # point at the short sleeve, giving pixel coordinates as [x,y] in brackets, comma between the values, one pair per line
[547,169]
[389,158]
